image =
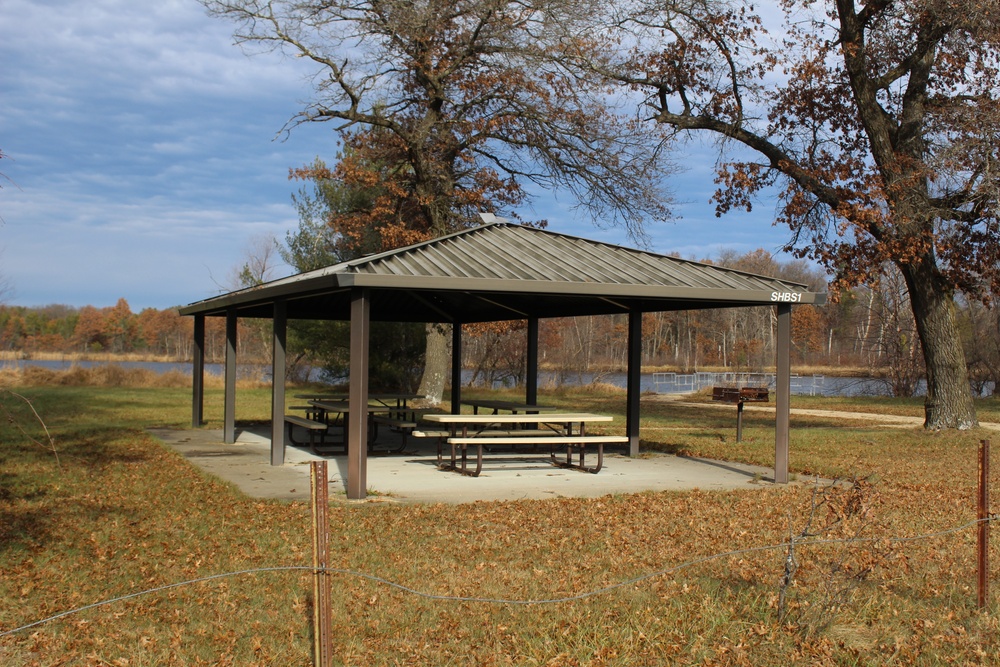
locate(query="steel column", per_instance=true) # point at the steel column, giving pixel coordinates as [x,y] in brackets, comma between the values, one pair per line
[531,390]
[229,423]
[280,336]
[357,421]
[456,368]
[633,382]
[782,390]
[198,373]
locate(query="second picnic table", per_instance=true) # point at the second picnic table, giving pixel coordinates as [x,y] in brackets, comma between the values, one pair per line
[496,406]
[324,410]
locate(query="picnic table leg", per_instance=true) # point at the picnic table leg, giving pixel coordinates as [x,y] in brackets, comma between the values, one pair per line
[600,459]
[465,460]
[454,456]
[583,463]
[288,425]
[479,461]
[465,433]
[372,431]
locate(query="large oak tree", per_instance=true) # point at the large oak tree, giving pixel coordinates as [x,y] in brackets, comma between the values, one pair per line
[877,123]
[465,94]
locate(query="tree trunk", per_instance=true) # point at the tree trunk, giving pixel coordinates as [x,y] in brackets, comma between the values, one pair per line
[436,364]
[949,396]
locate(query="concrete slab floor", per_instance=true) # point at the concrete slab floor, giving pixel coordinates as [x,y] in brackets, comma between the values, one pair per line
[413,476]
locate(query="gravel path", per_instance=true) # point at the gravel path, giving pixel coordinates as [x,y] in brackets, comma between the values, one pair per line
[890,421]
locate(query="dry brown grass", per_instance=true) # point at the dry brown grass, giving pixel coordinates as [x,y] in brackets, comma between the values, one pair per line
[16,355]
[121,514]
[108,375]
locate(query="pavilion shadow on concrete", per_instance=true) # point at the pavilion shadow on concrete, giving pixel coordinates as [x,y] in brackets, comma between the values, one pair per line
[495,272]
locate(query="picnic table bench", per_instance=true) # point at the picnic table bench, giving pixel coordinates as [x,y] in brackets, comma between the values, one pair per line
[556,430]
[739,396]
[315,429]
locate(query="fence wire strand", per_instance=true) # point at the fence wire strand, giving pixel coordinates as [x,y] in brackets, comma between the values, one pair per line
[482,600]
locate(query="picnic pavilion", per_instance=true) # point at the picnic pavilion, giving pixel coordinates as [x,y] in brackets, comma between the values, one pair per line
[495,272]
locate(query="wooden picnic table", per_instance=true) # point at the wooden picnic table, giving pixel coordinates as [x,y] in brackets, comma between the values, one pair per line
[398,404]
[496,406]
[399,400]
[552,429]
[323,413]
[342,407]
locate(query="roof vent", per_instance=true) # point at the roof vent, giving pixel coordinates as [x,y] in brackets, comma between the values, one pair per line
[489,218]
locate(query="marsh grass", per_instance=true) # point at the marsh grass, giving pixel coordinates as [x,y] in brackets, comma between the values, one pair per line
[120,514]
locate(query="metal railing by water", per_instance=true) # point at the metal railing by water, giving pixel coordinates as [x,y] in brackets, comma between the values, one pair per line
[674,383]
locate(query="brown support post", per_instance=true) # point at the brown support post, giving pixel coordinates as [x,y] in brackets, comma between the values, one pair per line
[783,391]
[229,423]
[322,595]
[456,368]
[634,381]
[531,378]
[280,332]
[198,373]
[357,422]
[984,524]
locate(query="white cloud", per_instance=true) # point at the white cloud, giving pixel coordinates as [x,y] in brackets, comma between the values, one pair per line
[142,146]
[88,250]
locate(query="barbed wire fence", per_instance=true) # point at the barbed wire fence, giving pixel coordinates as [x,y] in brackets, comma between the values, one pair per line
[795,543]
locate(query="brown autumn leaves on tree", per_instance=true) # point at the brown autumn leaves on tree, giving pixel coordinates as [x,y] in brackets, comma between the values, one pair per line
[376,208]
[878,124]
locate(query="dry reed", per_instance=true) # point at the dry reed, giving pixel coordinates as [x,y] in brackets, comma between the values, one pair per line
[105,375]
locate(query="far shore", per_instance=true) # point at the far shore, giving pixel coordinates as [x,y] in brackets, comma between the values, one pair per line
[16,355]
[108,357]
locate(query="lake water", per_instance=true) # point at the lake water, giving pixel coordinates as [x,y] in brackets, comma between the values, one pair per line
[663,383]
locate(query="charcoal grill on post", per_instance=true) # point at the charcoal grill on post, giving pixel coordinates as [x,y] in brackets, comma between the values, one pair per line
[739,396]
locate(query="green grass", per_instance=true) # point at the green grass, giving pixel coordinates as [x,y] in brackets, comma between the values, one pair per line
[119,513]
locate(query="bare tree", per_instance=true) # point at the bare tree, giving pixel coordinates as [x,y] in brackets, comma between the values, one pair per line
[462,97]
[260,261]
[257,266]
[6,286]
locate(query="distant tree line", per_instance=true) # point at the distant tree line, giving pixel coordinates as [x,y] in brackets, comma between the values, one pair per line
[91,330]
[869,330]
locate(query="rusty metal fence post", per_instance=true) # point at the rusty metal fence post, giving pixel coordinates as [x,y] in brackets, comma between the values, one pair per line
[984,522]
[322,608]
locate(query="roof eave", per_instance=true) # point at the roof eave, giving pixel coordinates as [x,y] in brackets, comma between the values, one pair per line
[782,293]
[266,293]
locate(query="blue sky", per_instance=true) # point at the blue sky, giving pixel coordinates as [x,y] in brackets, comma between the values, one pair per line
[144,158]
